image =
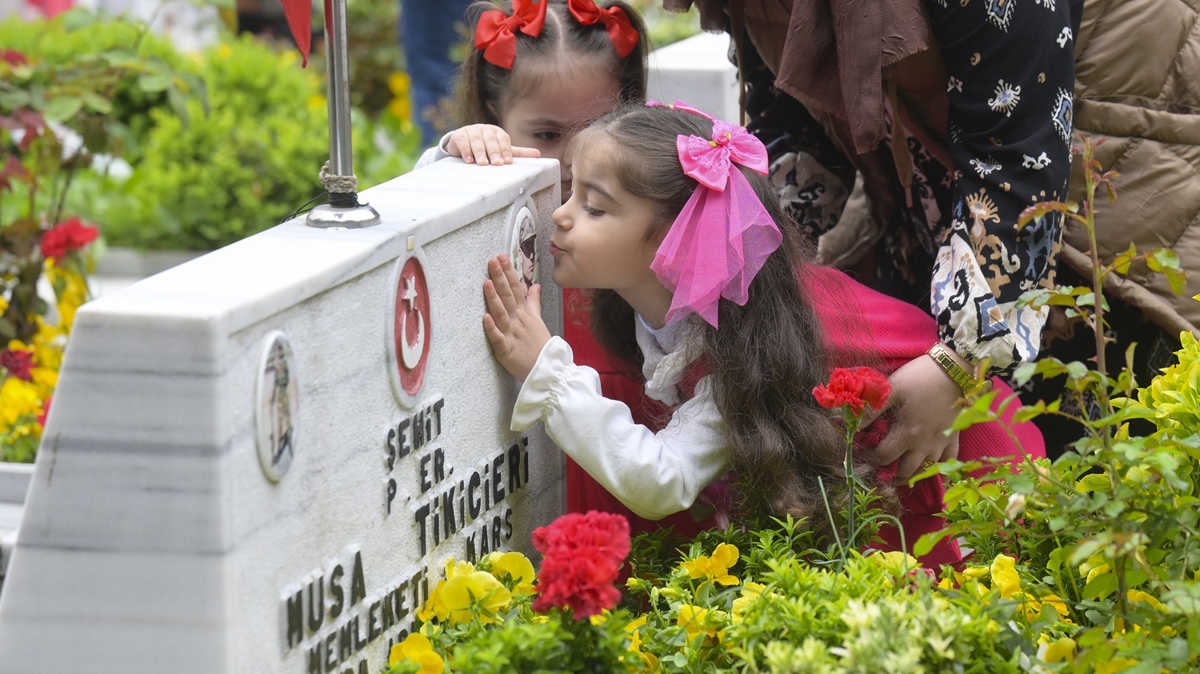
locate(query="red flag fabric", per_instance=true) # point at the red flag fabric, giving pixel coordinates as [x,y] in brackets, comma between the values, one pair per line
[299,20]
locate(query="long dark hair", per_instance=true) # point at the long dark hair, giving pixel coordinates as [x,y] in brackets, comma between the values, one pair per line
[482,87]
[767,355]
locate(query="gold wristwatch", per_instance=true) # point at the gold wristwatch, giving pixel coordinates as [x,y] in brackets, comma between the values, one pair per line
[965,380]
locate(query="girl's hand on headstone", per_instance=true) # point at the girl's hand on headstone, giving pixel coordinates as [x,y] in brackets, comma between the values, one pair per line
[923,398]
[485,144]
[513,322]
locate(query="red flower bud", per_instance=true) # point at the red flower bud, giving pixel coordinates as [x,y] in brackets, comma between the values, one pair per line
[66,237]
[854,386]
[17,362]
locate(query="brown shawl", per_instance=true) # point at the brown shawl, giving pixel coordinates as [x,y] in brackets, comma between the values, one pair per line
[835,52]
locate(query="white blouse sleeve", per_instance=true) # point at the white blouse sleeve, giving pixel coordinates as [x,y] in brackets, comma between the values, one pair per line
[654,475]
[434,154]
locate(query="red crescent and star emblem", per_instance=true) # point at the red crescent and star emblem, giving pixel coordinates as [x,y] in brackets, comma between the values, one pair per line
[412,326]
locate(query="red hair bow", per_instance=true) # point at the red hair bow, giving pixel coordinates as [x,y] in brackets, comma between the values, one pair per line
[495,35]
[616,23]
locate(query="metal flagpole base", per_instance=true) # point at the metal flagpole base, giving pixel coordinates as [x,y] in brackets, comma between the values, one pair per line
[354,217]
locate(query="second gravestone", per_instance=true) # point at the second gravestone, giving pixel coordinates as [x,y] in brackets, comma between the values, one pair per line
[259,461]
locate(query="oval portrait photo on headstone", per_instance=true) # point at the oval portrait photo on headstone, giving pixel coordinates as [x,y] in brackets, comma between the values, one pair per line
[410,330]
[278,399]
[523,246]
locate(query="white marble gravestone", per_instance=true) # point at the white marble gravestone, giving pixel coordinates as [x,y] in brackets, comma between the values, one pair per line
[257,461]
[697,71]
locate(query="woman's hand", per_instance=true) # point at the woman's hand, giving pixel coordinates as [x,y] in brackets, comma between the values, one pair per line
[513,322]
[923,399]
[485,144]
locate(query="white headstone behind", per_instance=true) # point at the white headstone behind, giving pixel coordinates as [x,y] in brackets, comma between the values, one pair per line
[259,460]
[697,71]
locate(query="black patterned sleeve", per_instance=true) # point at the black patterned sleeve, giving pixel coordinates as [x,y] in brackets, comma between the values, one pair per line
[1011,75]
[810,174]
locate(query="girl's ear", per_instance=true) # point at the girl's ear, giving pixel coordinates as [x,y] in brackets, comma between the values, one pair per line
[658,232]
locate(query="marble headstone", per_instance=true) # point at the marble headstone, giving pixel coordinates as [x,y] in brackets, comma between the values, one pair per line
[259,460]
[696,70]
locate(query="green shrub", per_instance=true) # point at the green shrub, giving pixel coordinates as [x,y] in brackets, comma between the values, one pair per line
[211,179]
[71,40]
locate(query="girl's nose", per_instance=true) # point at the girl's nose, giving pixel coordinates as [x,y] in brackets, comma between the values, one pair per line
[560,218]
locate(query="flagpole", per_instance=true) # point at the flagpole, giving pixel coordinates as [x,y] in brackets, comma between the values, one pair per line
[343,209]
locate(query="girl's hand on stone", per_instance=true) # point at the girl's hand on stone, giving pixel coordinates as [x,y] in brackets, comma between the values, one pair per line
[513,322]
[923,398]
[485,144]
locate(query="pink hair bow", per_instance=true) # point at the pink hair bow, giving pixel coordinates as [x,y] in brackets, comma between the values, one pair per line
[724,234]
[679,105]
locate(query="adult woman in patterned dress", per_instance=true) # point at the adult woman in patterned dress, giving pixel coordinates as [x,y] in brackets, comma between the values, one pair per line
[955,115]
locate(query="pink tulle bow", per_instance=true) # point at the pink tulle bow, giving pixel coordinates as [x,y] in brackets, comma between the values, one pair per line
[724,234]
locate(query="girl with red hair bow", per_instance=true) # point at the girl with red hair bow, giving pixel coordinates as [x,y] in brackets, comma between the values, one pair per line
[537,73]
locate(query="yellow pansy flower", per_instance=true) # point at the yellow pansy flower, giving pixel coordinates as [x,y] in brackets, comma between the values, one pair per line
[1093,572]
[1115,665]
[17,399]
[895,561]
[750,592]
[714,568]
[633,626]
[1062,650]
[1004,576]
[1060,606]
[1145,598]
[516,566]
[475,596]
[434,607]
[971,573]
[692,619]
[698,620]
[417,648]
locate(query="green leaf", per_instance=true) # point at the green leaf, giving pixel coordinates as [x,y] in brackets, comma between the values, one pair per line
[1101,586]
[1177,279]
[1055,561]
[960,493]
[1076,369]
[1093,482]
[154,82]
[77,17]
[1092,637]
[1039,211]
[11,99]
[926,542]
[1028,412]
[97,103]
[178,104]
[62,108]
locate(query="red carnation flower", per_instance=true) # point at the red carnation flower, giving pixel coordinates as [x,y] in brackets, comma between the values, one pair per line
[855,387]
[13,57]
[17,362]
[66,237]
[582,556]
